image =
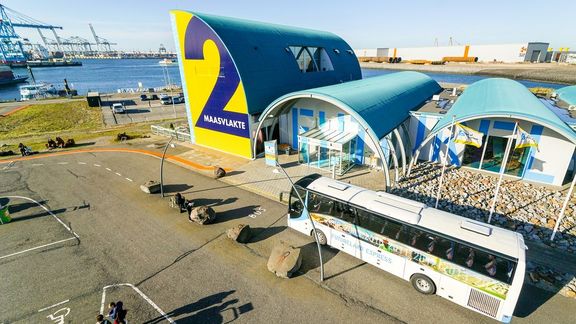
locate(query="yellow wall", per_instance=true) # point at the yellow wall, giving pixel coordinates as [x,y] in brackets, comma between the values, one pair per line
[200,76]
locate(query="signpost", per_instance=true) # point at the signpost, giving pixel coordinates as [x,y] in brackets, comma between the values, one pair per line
[271,153]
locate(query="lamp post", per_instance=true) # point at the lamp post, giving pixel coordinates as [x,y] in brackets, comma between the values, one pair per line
[162,166]
[309,217]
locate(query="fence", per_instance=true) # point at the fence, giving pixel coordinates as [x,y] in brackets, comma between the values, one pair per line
[180,133]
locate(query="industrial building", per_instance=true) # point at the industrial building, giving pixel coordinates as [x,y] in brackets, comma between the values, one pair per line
[507,53]
[247,82]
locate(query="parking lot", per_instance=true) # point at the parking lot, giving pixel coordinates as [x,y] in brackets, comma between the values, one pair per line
[137,110]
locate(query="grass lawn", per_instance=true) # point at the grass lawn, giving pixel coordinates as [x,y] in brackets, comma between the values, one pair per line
[50,118]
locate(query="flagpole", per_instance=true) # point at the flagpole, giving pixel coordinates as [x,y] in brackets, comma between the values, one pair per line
[444,162]
[568,196]
[502,169]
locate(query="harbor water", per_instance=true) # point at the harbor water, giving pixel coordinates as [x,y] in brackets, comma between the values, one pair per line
[108,76]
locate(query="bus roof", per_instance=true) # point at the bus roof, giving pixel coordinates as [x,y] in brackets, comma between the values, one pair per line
[414,213]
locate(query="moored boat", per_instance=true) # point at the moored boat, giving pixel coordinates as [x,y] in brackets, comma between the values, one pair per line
[37,91]
[8,77]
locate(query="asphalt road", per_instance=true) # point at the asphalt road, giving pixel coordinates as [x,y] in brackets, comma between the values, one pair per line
[135,248]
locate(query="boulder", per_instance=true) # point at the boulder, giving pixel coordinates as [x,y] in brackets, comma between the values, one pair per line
[150,187]
[284,260]
[219,172]
[240,233]
[202,215]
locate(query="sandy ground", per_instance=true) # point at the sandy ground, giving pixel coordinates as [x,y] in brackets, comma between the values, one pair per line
[546,72]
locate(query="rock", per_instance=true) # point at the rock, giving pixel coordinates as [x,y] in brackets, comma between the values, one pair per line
[219,172]
[150,187]
[202,215]
[534,277]
[240,233]
[284,260]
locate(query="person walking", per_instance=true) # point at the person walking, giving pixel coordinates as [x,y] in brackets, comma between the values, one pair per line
[112,311]
[120,313]
[101,320]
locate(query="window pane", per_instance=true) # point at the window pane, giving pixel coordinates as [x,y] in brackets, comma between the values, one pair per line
[496,146]
[296,206]
[473,155]
[517,160]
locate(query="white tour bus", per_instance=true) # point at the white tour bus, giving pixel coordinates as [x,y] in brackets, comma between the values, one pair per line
[473,264]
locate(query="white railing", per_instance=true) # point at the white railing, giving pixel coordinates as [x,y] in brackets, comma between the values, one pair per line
[180,133]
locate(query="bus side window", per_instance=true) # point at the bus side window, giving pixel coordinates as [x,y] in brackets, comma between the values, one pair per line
[391,229]
[348,214]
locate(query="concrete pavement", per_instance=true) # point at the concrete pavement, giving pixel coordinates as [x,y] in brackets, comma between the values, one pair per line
[192,273]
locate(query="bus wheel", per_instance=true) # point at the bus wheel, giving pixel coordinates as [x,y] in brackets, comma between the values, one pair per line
[321,237]
[423,284]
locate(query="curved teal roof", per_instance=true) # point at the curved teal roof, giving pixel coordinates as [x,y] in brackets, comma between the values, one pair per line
[267,69]
[567,94]
[505,98]
[383,102]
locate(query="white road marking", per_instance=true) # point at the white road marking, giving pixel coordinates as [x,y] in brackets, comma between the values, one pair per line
[62,163]
[96,165]
[118,174]
[36,248]
[129,179]
[58,304]
[82,163]
[47,210]
[158,309]
[109,169]
[37,164]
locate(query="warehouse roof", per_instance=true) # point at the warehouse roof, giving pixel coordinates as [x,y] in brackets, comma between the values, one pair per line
[266,64]
[505,98]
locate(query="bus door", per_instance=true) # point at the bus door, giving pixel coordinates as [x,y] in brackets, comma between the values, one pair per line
[377,237]
[344,234]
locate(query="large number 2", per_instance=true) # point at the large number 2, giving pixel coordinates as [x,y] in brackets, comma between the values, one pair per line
[197,33]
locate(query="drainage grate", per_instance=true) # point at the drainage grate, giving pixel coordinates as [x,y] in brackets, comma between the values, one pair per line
[483,303]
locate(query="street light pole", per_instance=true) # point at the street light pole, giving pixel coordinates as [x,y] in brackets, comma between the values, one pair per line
[162,167]
[309,217]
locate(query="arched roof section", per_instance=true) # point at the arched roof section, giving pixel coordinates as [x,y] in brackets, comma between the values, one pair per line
[568,94]
[268,68]
[381,102]
[505,98]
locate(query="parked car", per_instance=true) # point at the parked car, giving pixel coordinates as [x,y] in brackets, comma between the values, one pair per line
[153,97]
[144,97]
[178,100]
[118,108]
[166,100]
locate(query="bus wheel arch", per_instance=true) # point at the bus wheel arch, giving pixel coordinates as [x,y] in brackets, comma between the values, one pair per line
[322,239]
[423,284]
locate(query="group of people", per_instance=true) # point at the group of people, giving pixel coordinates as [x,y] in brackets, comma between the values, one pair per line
[59,142]
[183,204]
[117,314]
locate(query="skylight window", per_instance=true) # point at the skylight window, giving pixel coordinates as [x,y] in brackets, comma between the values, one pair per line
[311,59]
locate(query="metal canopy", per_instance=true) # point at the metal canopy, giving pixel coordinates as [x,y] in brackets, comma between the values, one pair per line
[327,138]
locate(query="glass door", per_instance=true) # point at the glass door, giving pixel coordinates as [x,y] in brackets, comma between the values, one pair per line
[495,149]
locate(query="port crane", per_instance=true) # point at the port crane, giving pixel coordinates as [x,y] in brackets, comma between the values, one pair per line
[102,44]
[11,50]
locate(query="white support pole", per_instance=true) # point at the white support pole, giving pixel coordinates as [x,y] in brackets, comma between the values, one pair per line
[568,196]
[502,169]
[444,160]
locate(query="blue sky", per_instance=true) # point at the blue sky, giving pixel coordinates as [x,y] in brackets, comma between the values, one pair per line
[143,25]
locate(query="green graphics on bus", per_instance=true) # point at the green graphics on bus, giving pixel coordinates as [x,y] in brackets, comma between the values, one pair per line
[462,274]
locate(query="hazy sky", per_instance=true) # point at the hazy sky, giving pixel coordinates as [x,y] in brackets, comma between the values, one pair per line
[143,25]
